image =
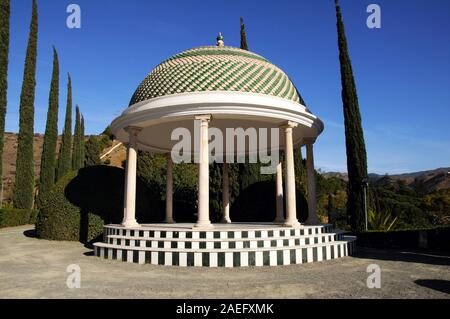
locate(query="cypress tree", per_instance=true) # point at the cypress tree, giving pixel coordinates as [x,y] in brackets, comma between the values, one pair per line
[244,45]
[93,151]
[48,159]
[82,142]
[24,181]
[64,159]
[4,51]
[354,136]
[76,151]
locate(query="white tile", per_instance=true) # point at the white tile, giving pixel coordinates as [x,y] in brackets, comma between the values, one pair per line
[253,244]
[229,260]
[182,235]
[209,235]
[119,254]
[237,235]
[183,259]
[302,241]
[132,243]
[258,258]
[210,245]
[279,242]
[213,259]
[102,252]
[244,259]
[146,233]
[223,235]
[251,234]
[168,259]
[335,247]
[264,234]
[198,259]
[239,244]
[195,245]
[273,257]
[154,258]
[167,244]
[310,255]
[286,257]
[142,243]
[154,244]
[298,256]
[142,257]
[110,253]
[224,245]
[195,235]
[266,244]
[319,253]
[130,256]
[169,234]
[291,242]
[276,233]
[328,252]
[157,234]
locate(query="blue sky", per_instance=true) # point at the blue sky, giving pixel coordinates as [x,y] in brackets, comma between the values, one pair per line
[402,70]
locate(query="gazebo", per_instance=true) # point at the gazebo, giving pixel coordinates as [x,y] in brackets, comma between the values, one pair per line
[217,97]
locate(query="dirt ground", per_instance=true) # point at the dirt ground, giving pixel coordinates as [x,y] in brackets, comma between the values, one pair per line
[33,268]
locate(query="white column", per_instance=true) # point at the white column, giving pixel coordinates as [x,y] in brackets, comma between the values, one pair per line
[129,211]
[169,191]
[279,194]
[225,194]
[203,175]
[291,210]
[312,203]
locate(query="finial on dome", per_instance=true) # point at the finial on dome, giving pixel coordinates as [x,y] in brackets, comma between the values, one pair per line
[219,39]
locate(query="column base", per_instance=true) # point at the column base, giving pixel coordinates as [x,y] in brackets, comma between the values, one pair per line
[226,221]
[292,223]
[130,224]
[204,226]
[169,221]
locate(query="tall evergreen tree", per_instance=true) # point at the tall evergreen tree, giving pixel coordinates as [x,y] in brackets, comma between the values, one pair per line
[48,159]
[244,45]
[82,142]
[92,152]
[4,51]
[354,136]
[24,182]
[76,151]
[64,159]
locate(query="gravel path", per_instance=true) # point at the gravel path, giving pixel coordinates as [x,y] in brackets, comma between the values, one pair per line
[33,268]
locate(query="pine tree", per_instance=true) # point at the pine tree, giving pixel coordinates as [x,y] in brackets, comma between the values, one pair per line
[82,143]
[24,182]
[4,51]
[354,136]
[244,45]
[76,151]
[64,159]
[48,159]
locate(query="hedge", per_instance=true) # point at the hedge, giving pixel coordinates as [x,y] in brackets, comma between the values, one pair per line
[11,217]
[81,202]
[433,239]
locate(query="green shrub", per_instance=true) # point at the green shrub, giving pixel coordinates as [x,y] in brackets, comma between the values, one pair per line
[59,219]
[10,217]
[80,203]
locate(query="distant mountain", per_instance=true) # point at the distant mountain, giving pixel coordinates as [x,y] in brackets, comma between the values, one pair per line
[430,180]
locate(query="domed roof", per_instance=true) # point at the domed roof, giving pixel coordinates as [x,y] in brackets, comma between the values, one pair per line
[216,68]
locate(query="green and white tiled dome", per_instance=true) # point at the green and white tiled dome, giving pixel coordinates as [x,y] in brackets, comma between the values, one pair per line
[216,68]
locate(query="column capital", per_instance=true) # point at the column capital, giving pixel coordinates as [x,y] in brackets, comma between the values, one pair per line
[309,140]
[204,117]
[289,124]
[133,130]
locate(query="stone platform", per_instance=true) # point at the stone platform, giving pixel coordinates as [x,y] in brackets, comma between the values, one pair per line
[227,245]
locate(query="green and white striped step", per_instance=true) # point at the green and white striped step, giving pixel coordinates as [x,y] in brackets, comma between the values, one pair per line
[227,258]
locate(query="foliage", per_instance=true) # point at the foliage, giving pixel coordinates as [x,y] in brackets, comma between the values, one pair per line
[82,142]
[76,150]
[381,221]
[24,183]
[11,217]
[92,152]
[354,136]
[4,50]
[48,159]
[64,158]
